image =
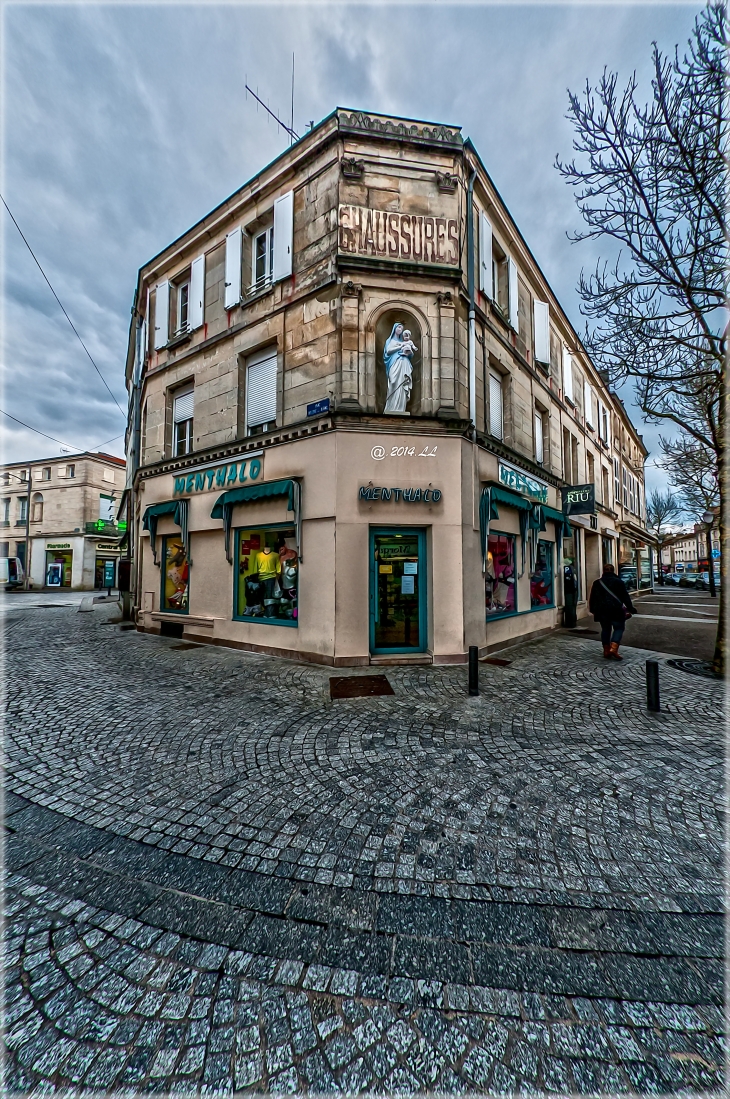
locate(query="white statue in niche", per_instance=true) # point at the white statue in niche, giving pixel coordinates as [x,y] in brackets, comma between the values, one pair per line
[397,354]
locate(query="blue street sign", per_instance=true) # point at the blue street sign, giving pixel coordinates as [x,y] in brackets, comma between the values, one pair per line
[318,407]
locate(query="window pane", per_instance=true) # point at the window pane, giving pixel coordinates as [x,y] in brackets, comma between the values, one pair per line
[260,270]
[541,578]
[176,577]
[501,581]
[184,296]
[268,575]
[183,437]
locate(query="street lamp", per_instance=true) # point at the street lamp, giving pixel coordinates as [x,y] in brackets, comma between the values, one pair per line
[708,517]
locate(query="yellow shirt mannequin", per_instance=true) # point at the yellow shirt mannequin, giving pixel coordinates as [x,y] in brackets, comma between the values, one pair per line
[267,564]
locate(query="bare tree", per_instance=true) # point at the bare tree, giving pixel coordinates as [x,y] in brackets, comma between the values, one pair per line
[692,473]
[662,508]
[650,182]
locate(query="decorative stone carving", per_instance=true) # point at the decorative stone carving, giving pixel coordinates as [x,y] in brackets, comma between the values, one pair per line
[351,289]
[352,168]
[392,128]
[446,183]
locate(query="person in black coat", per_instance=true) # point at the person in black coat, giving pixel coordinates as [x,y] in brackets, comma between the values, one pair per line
[610,604]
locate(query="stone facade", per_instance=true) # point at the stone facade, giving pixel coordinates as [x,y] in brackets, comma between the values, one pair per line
[70,496]
[377,232]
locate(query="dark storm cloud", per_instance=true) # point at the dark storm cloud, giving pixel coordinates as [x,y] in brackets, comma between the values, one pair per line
[126,124]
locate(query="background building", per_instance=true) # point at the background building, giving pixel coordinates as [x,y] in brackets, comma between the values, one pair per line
[355,355]
[74,535]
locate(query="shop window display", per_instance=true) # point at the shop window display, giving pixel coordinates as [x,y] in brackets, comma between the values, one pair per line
[541,577]
[176,576]
[267,579]
[501,579]
[571,564]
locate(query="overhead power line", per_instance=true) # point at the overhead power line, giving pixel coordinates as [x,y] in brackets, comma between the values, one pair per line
[78,337]
[53,439]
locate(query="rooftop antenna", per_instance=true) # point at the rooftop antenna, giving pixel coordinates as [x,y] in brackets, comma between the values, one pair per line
[291,128]
[293,135]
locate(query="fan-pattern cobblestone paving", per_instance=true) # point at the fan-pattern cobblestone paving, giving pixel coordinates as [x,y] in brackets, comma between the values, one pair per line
[220,879]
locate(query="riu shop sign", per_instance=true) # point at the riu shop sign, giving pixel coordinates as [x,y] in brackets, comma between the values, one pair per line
[227,475]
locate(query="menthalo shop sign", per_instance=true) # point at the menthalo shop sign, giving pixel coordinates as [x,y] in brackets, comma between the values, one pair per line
[225,475]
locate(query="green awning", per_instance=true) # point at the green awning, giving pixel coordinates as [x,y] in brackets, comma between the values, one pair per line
[224,505]
[155,510]
[557,517]
[512,499]
[254,492]
[178,509]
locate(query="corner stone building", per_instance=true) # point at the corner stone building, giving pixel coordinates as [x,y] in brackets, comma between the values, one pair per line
[342,447]
[74,536]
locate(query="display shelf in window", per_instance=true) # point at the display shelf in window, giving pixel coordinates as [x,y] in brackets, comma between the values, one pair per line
[501,576]
[175,595]
[267,576]
[541,578]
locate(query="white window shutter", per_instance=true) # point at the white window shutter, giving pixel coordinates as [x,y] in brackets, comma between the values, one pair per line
[162,314]
[496,417]
[539,454]
[283,236]
[261,390]
[587,402]
[567,374]
[233,269]
[140,350]
[542,331]
[184,406]
[513,294]
[485,256]
[197,292]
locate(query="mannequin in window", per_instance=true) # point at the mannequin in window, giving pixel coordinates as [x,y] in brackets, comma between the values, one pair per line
[267,564]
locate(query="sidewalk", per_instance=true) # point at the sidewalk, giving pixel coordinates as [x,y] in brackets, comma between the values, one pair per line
[221,878]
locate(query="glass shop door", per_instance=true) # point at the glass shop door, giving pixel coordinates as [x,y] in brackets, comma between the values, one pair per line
[398,611]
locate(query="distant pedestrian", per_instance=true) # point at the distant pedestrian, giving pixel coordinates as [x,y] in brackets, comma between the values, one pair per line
[610,604]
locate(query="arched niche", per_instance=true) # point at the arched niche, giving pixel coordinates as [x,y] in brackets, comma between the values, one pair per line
[383,328]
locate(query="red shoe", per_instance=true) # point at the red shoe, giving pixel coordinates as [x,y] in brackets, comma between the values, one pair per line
[607,650]
[614,653]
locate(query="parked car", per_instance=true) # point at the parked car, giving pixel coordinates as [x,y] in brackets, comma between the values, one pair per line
[628,575]
[687,579]
[673,577]
[703,581]
[11,573]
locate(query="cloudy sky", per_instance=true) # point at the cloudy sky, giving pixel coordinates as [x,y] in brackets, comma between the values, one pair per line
[126,123]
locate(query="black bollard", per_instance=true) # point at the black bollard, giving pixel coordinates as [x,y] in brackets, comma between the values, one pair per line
[473,670]
[652,685]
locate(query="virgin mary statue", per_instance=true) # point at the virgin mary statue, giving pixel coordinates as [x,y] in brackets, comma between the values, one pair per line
[397,353]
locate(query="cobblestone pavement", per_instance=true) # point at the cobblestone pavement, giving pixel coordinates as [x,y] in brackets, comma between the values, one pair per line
[219,879]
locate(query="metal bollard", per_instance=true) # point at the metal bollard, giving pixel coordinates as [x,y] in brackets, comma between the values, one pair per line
[652,685]
[473,670]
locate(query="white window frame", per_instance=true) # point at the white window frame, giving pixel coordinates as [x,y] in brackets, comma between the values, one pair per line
[179,450]
[22,508]
[6,508]
[266,280]
[182,326]
[568,375]
[71,471]
[45,470]
[616,481]
[254,426]
[588,403]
